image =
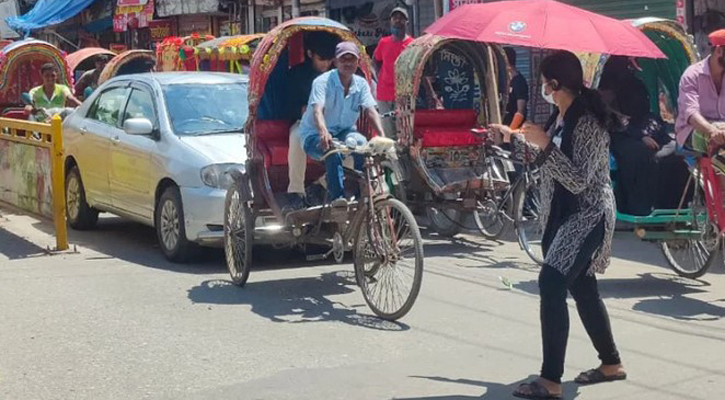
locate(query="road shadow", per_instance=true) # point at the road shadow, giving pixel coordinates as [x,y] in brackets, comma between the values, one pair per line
[661,294]
[494,390]
[683,308]
[115,237]
[15,247]
[294,300]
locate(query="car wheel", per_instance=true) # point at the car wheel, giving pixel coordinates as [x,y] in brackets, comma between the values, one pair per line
[79,214]
[170,227]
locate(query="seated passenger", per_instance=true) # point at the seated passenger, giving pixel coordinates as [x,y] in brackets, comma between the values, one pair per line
[335,103]
[650,175]
[320,50]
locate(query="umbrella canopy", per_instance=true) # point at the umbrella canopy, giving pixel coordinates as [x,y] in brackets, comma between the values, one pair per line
[545,24]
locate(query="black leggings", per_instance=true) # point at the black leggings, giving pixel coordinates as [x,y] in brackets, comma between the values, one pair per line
[553,286]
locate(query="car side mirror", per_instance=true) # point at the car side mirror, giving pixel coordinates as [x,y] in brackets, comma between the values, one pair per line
[138,126]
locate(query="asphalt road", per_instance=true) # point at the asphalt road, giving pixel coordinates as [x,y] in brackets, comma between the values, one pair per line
[117,321]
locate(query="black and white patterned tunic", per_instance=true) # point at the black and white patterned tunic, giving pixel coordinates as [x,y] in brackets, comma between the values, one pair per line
[584,183]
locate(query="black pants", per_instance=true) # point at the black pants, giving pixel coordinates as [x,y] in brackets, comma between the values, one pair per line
[553,287]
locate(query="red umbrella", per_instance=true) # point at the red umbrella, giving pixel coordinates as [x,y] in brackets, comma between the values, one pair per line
[545,24]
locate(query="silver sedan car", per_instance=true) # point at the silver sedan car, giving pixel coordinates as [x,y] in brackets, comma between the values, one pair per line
[157,148]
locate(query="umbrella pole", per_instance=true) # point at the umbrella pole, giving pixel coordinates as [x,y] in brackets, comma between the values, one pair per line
[492,91]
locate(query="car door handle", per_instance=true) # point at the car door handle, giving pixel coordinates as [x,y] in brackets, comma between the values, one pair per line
[115,140]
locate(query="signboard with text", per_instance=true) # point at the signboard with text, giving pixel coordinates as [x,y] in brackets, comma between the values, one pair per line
[160,29]
[133,16]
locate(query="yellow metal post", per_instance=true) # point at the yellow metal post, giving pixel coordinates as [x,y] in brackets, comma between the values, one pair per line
[58,179]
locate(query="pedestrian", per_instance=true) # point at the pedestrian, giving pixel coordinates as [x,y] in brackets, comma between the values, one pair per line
[387,51]
[89,79]
[336,101]
[578,218]
[518,93]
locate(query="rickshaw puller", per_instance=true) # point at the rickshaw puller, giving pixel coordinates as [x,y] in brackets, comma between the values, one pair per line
[702,99]
[333,109]
[50,94]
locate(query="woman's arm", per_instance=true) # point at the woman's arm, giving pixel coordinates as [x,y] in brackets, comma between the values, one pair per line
[589,141]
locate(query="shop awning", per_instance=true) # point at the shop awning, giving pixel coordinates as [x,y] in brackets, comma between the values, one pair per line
[47,12]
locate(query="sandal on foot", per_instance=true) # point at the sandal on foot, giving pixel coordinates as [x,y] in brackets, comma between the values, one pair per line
[537,391]
[596,376]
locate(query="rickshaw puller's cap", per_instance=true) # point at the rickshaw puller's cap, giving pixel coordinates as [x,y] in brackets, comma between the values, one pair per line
[346,48]
[717,38]
[401,10]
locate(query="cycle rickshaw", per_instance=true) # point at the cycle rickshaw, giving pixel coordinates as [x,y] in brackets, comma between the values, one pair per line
[128,62]
[446,87]
[20,64]
[379,230]
[689,233]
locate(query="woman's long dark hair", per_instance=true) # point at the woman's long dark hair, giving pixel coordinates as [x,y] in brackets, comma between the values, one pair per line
[566,69]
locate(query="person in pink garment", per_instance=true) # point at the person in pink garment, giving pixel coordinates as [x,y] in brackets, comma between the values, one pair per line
[702,98]
[387,51]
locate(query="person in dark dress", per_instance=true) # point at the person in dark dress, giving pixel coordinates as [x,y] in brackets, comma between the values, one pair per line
[518,94]
[577,213]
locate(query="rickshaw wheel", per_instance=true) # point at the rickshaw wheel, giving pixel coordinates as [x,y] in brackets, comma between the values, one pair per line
[389,260]
[490,222]
[692,258]
[527,205]
[238,235]
[445,222]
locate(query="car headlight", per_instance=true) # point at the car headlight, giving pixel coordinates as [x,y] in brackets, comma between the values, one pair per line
[219,175]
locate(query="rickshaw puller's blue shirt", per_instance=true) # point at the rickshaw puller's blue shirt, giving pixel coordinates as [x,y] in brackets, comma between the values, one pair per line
[341,112]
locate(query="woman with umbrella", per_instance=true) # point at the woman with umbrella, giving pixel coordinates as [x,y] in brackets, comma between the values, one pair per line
[578,213]
[572,153]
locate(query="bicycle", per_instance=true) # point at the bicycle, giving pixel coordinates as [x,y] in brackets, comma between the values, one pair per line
[380,230]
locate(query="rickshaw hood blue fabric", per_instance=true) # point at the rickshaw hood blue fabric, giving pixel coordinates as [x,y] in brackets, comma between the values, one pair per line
[47,12]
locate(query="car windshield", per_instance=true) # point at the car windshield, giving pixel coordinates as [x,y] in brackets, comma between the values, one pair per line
[206,109]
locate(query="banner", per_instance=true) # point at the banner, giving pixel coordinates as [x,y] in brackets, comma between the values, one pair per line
[160,29]
[132,16]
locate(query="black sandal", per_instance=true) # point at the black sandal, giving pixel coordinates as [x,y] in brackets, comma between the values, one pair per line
[594,376]
[537,392]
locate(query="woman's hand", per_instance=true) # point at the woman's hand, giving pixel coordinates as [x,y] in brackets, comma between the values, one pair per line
[535,135]
[502,133]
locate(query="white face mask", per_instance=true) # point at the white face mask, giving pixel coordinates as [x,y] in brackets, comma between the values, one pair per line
[548,97]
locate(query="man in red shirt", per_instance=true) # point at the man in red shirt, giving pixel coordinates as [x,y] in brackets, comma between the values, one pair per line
[387,51]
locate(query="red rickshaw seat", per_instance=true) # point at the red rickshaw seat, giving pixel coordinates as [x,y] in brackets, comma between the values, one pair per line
[446,128]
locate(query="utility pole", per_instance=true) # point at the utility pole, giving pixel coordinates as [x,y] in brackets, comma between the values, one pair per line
[295,8]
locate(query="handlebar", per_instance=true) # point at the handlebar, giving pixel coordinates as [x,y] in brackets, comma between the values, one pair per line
[376,146]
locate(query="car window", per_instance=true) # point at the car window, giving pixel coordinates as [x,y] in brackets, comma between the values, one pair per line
[140,105]
[108,106]
[206,109]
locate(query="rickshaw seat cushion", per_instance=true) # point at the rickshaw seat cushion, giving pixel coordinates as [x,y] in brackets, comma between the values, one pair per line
[464,118]
[272,130]
[449,137]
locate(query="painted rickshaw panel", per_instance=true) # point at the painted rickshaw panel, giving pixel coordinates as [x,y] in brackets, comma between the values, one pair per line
[409,71]
[168,52]
[77,58]
[20,64]
[114,66]
[264,61]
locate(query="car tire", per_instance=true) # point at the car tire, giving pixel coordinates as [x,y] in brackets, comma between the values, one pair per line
[79,214]
[170,227]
